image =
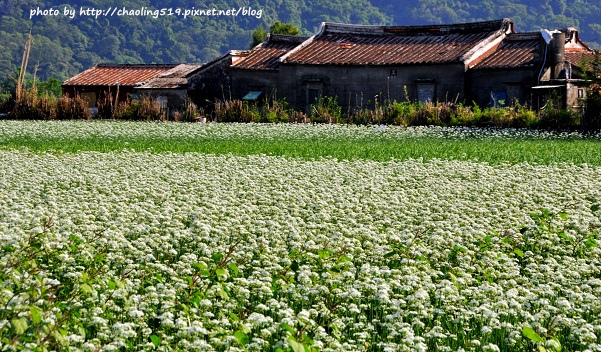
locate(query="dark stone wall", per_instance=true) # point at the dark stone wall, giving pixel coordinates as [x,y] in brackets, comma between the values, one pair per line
[365,85]
[176,98]
[266,81]
[210,84]
[514,82]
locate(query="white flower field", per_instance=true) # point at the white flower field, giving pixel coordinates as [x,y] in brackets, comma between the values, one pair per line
[129,250]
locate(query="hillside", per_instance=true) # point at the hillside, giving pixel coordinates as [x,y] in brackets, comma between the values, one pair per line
[64,46]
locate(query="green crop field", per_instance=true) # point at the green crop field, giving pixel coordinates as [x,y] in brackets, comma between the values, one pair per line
[308,142]
[234,237]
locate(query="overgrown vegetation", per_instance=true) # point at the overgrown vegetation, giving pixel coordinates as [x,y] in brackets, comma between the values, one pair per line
[48,107]
[45,107]
[328,110]
[325,110]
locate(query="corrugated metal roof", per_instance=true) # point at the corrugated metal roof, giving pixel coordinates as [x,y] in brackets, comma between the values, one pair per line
[339,44]
[265,55]
[113,74]
[516,50]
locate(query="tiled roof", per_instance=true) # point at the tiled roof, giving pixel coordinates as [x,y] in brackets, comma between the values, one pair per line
[516,50]
[340,44]
[113,74]
[576,56]
[265,55]
[174,78]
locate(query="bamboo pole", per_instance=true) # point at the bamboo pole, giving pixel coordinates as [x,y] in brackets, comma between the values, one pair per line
[24,61]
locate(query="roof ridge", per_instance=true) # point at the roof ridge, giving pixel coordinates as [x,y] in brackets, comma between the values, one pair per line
[112,65]
[435,29]
[274,37]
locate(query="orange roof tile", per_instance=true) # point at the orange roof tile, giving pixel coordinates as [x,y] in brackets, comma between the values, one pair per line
[339,44]
[266,54]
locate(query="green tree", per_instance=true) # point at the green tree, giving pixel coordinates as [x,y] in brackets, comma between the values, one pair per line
[284,28]
[277,28]
[53,86]
[258,36]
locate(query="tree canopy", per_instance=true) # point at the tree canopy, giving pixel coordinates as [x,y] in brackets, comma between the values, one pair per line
[277,28]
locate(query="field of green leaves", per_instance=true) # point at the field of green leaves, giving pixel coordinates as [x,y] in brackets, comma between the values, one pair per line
[113,238]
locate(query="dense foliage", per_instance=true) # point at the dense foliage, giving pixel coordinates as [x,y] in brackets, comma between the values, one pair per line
[277,28]
[65,46]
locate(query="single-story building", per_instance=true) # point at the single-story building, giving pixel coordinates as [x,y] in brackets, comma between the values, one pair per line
[111,81]
[484,62]
[362,65]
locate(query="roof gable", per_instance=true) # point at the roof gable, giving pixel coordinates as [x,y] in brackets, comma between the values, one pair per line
[523,50]
[516,50]
[343,44]
[265,55]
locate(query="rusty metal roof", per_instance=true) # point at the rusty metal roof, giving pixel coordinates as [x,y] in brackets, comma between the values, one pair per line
[265,55]
[121,74]
[174,78]
[516,50]
[341,44]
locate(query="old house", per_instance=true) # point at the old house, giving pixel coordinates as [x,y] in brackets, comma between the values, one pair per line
[362,65]
[257,75]
[170,88]
[117,81]
[530,68]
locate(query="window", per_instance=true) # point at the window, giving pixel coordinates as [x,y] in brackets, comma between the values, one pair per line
[580,93]
[425,93]
[498,98]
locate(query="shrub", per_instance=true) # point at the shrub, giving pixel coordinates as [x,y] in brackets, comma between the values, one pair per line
[462,116]
[274,111]
[327,110]
[236,111]
[553,118]
[145,109]
[525,118]
[32,107]
[68,108]
[106,107]
[190,113]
